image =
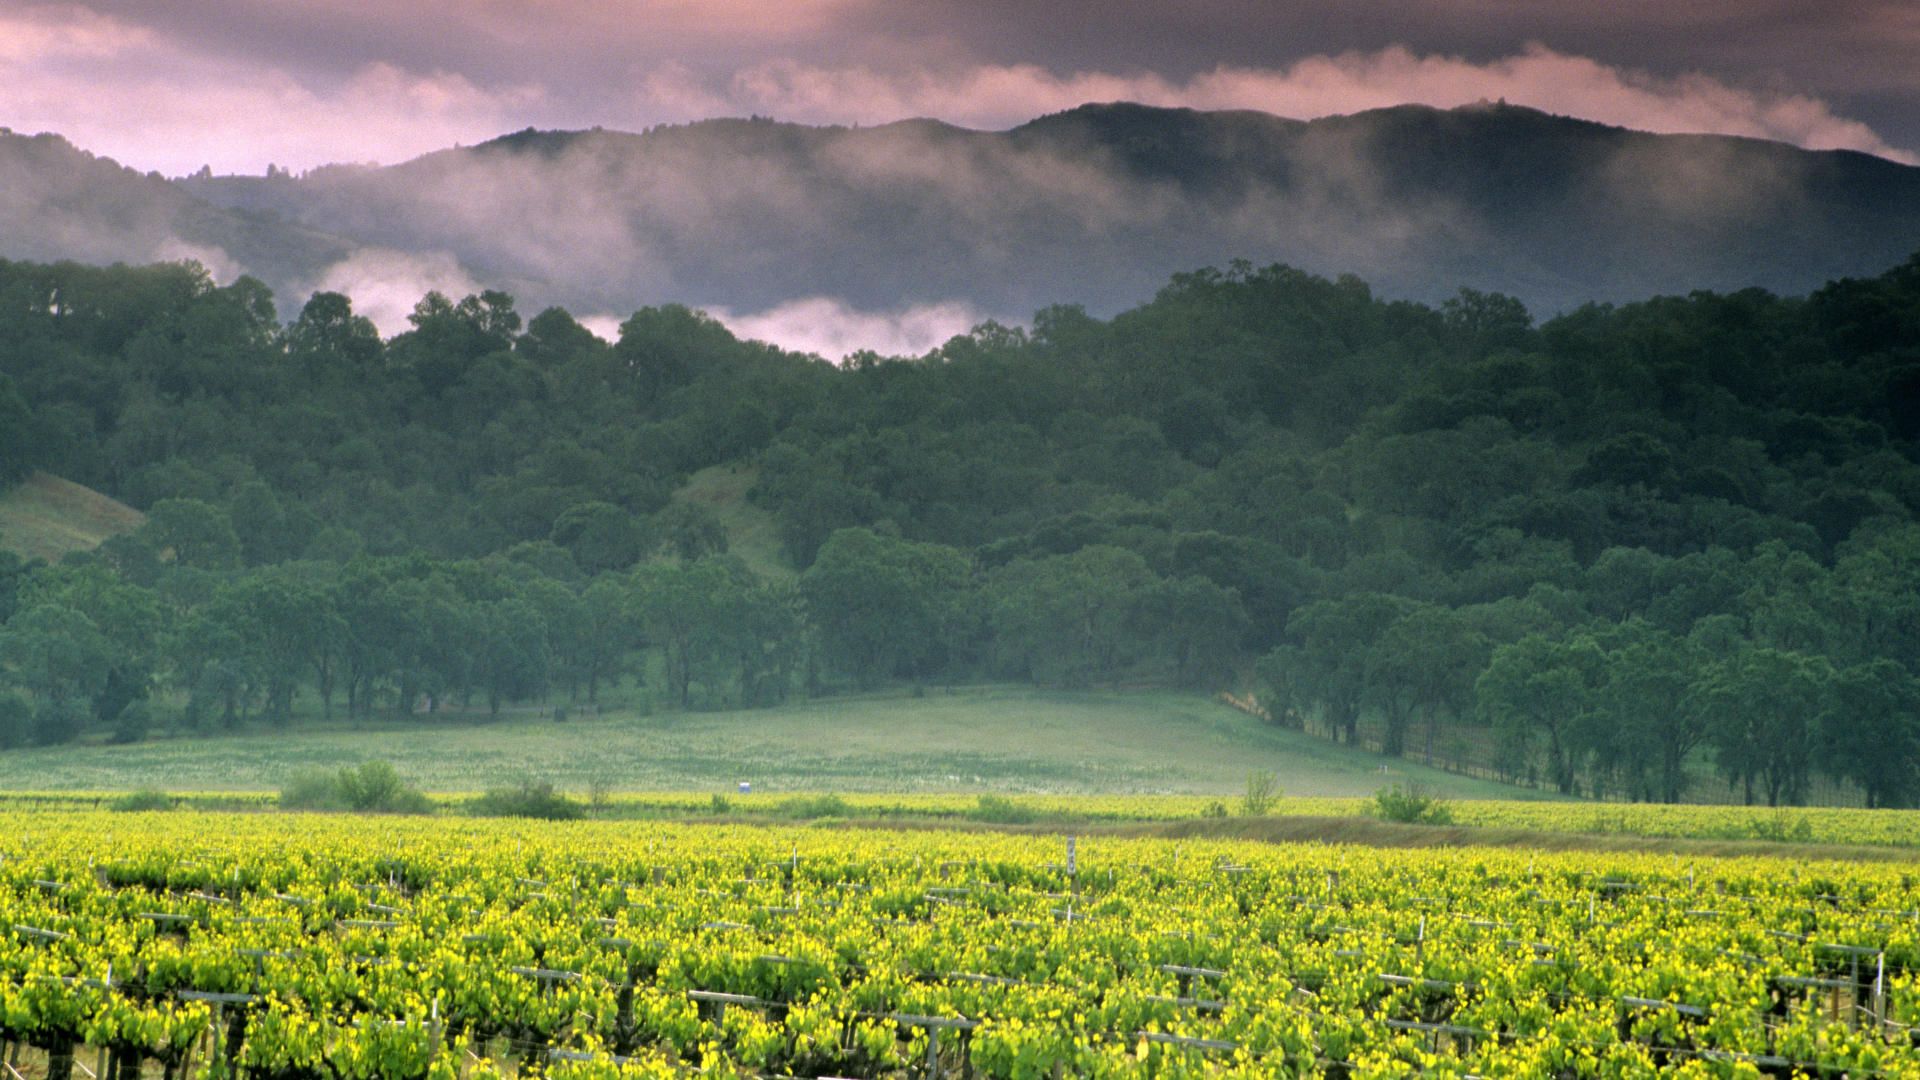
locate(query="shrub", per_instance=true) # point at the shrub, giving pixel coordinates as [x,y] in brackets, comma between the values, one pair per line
[1782,828]
[376,787]
[144,799]
[371,787]
[309,789]
[721,804]
[600,793]
[1263,790]
[16,720]
[132,723]
[1411,805]
[57,722]
[1000,810]
[529,799]
[1214,809]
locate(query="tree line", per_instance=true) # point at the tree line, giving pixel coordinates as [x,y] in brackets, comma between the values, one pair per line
[1619,547]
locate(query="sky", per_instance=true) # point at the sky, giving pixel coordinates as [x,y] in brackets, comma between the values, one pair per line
[172,85]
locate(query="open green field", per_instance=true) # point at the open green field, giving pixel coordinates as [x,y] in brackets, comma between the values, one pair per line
[45,517]
[979,739]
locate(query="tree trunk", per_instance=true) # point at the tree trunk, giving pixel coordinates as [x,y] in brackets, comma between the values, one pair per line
[1393,742]
[323,682]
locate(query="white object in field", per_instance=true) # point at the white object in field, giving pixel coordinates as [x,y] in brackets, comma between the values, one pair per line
[746,788]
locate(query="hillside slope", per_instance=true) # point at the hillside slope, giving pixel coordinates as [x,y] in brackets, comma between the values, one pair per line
[45,517]
[59,202]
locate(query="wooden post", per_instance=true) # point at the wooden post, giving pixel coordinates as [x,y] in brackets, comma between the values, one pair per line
[1880,995]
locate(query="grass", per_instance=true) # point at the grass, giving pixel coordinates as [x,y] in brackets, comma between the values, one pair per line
[751,533]
[45,517]
[991,739]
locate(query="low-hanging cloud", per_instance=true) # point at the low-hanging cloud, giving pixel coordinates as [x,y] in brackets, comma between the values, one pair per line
[831,329]
[997,96]
[385,285]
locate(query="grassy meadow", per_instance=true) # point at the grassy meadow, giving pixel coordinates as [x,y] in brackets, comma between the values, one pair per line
[45,517]
[994,739]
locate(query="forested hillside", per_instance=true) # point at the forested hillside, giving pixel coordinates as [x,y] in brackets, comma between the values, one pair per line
[1622,548]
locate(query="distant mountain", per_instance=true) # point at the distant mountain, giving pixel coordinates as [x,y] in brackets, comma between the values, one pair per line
[59,202]
[1097,205]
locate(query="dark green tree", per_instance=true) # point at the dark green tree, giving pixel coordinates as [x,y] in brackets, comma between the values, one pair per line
[1766,706]
[884,607]
[1871,733]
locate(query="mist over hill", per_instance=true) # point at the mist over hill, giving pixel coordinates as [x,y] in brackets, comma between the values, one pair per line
[59,202]
[1097,206]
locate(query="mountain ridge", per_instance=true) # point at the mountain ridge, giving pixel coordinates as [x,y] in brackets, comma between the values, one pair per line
[1096,204]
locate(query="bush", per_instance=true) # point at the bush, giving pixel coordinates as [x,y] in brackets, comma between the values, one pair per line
[1000,810]
[310,789]
[144,799]
[721,804]
[376,787]
[16,721]
[132,723]
[528,799]
[600,793]
[58,722]
[373,787]
[1263,790]
[1782,828]
[1214,809]
[1411,805]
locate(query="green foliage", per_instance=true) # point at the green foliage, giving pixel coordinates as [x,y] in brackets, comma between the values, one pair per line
[1000,810]
[809,807]
[529,798]
[1783,828]
[311,789]
[376,786]
[372,787]
[19,450]
[1411,805]
[1580,552]
[133,723]
[58,720]
[145,799]
[1263,790]
[16,720]
[885,607]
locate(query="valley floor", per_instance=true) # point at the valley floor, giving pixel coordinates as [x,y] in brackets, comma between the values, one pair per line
[976,739]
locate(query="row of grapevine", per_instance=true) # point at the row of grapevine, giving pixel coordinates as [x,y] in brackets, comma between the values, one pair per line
[278,946]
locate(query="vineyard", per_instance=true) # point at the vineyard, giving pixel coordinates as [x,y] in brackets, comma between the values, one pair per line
[1830,825]
[291,946]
